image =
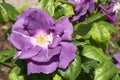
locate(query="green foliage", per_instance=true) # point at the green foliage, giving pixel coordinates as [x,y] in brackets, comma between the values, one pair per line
[9,10]
[47,5]
[72,72]
[99,33]
[15,74]
[7,55]
[63,10]
[83,28]
[106,70]
[91,36]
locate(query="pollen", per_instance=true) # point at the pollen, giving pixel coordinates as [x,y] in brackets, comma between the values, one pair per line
[43,39]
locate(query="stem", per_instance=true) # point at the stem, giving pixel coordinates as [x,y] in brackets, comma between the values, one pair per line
[107,48]
[6,65]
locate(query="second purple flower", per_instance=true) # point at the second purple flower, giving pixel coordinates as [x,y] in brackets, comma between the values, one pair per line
[81,8]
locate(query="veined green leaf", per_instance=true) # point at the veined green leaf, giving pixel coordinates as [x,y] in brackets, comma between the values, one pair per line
[9,10]
[106,69]
[15,74]
[110,27]
[94,53]
[99,33]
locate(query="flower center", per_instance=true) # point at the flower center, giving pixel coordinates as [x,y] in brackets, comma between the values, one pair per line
[77,0]
[43,39]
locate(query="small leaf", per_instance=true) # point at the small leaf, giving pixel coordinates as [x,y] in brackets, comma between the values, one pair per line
[73,70]
[105,71]
[94,53]
[57,77]
[9,10]
[95,18]
[67,10]
[99,33]
[110,27]
[1,18]
[15,74]
[83,31]
[8,52]
[7,55]
[47,5]
[114,44]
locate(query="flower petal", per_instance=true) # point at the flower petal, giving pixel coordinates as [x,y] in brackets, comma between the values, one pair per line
[29,53]
[48,67]
[37,20]
[67,54]
[56,41]
[20,41]
[64,24]
[46,55]
[117,57]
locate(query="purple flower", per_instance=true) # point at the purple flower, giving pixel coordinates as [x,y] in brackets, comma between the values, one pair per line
[111,10]
[82,6]
[43,43]
[117,58]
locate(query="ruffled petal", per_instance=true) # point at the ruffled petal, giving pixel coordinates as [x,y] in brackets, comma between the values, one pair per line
[37,20]
[46,55]
[20,41]
[48,67]
[67,54]
[56,41]
[30,53]
[63,25]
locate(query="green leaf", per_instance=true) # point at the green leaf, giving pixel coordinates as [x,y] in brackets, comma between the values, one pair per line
[67,10]
[88,65]
[63,10]
[57,77]
[110,27]
[95,18]
[15,74]
[114,44]
[83,28]
[7,55]
[73,70]
[94,53]
[1,18]
[117,77]
[99,33]
[106,69]
[47,5]
[9,10]
[7,52]
[83,31]
[4,16]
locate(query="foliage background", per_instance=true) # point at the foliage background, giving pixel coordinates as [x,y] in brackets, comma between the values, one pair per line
[5,45]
